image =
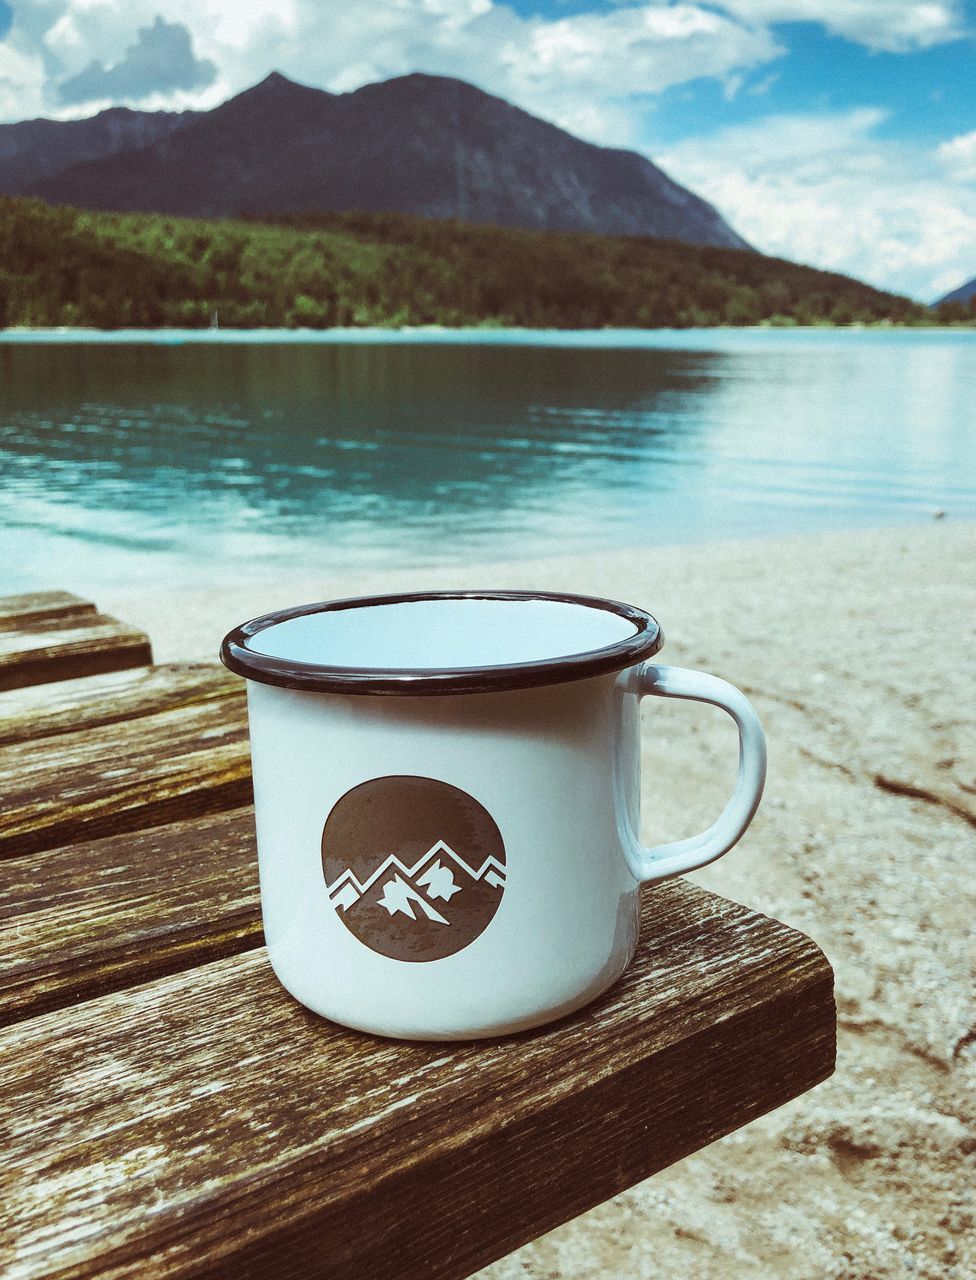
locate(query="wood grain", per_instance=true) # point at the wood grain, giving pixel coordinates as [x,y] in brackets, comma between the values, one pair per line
[207,1125]
[69,706]
[67,646]
[40,607]
[105,915]
[120,777]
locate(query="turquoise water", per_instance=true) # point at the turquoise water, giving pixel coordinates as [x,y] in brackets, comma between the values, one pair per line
[173,458]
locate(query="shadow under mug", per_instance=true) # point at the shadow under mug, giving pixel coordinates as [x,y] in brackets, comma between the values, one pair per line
[446,791]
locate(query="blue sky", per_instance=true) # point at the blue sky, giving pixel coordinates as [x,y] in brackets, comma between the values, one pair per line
[836,132]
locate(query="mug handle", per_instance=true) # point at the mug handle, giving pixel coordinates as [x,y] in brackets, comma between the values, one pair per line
[673,859]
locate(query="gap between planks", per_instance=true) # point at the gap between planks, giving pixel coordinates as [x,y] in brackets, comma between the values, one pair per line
[89,918]
[31,608]
[190,759]
[69,706]
[68,646]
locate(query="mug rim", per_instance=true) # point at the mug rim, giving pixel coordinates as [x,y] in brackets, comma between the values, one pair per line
[312,677]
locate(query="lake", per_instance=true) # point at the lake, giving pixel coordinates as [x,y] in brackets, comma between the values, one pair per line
[176,458]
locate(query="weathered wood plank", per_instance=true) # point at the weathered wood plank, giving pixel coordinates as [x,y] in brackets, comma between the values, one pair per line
[104,915]
[207,1125]
[180,763]
[63,648]
[40,607]
[67,706]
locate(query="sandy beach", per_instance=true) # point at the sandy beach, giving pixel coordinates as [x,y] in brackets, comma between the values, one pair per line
[857,650]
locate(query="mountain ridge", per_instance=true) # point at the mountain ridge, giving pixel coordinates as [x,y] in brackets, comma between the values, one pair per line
[32,150]
[438,849]
[430,146]
[965,293]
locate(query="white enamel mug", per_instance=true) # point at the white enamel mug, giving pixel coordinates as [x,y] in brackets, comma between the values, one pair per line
[446,791]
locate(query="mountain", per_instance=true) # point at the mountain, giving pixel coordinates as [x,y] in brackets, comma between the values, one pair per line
[965,293]
[347,889]
[426,911]
[34,150]
[417,144]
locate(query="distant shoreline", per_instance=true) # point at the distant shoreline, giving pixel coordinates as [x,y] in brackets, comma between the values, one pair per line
[70,267]
[487,334]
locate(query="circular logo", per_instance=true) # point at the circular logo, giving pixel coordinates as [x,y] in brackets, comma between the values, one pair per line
[415,868]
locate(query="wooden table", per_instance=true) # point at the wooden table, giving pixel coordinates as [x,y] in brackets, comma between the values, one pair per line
[166,1109]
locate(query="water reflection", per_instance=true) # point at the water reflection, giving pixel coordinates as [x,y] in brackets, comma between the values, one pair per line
[197,461]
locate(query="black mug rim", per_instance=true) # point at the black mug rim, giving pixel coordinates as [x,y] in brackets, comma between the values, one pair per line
[289,673]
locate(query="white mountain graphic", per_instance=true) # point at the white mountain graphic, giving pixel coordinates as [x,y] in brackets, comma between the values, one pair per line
[347,888]
[400,896]
[439,881]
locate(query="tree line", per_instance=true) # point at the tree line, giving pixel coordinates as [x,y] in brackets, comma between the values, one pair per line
[66,266]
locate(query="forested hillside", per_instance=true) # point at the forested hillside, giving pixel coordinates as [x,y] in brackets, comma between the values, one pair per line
[64,266]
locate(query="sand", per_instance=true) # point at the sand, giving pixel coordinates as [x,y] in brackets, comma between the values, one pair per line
[857,650]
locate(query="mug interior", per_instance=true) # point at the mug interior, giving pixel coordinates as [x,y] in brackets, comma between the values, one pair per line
[439,633]
[441,642]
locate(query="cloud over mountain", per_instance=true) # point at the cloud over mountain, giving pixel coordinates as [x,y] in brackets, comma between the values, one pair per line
[161,59]
[832,189]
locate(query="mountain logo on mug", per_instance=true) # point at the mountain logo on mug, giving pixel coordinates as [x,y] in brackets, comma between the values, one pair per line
[414,867]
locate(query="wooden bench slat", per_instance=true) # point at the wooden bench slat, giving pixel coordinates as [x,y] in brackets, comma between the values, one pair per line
[69,646]
[107,914]
[207,1125]
[67,706]
[40,606]
[125,776]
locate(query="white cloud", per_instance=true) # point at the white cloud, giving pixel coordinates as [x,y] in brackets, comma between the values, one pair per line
[580,71]
[826,190]
[162,59]
[238,36]
[583,71]
[549,66]
[895,26]
[22,80]
[245,24]
[958,155]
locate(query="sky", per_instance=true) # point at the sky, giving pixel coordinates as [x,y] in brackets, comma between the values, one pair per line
[839,133]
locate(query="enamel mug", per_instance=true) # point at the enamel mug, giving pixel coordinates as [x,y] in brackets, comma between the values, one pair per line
[446,792]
